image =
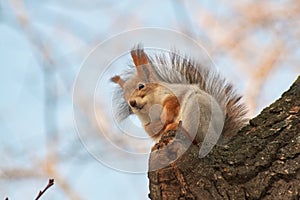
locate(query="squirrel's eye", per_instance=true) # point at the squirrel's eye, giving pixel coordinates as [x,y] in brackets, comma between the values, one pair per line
[141,86]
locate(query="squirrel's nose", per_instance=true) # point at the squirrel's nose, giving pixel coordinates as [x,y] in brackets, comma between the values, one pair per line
[132,103]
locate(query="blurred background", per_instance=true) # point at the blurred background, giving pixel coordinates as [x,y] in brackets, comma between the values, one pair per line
[254,44]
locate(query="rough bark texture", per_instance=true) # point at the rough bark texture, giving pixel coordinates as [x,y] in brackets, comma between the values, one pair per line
[261,162]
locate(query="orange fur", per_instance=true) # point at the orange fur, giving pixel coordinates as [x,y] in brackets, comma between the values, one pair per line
[139,58]
[171,127]
[171,109]
[168,116]
[118,80]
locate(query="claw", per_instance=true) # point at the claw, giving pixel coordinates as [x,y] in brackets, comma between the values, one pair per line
[179,131]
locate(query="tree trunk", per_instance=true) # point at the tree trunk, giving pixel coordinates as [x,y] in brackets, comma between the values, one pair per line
[261,162]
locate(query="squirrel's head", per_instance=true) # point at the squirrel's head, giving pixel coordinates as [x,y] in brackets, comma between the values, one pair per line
[145,102]
[137,86]
[142,97]
[139,89]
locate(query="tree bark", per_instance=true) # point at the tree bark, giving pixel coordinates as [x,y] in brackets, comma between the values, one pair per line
[261,162]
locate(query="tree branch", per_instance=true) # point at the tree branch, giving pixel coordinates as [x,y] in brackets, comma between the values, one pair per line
[50,183]
[261,162]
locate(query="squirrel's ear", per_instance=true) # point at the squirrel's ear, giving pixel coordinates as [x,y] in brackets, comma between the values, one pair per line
[142,63]
[118,80]
[139,57]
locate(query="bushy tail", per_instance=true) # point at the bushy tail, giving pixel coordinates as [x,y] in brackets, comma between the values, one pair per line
[187,71]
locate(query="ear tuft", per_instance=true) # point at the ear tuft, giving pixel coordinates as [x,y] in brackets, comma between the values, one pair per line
[139,57]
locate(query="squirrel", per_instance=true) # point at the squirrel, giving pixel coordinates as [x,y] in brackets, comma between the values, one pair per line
[165,92]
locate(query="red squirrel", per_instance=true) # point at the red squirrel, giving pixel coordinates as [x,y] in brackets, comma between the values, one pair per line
[163,91]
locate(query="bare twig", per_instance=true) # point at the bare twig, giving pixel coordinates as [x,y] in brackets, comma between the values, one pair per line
[50,183]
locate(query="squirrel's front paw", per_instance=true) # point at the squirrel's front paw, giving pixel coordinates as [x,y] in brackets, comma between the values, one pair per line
[154,129]
[172,127]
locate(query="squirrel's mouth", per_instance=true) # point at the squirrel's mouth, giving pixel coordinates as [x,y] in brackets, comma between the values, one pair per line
[140,107]
[133,104]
